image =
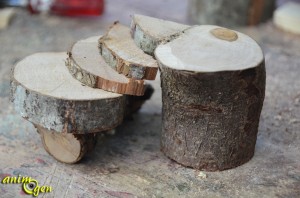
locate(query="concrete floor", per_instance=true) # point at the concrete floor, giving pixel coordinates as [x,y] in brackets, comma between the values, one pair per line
[130,164]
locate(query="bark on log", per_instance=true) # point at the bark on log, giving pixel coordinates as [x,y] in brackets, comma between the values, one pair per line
[46,94]
[212,94]
[87,65]
[121,53]
[148,32]
[230,13]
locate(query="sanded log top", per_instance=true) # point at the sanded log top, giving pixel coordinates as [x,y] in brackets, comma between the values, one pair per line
[44,92]
[210,49]
[120,52]
[148,32]
[87,65]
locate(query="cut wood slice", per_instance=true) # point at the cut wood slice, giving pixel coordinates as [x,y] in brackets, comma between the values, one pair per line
[149,32]
[44,92]
[287,17]
[121,53]
[213,87]
[206,46]
[66,147]
[87,65]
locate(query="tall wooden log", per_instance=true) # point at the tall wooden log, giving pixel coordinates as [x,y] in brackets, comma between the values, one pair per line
[87,65]
[121,53]
[213,86]
[149,32]
[44,92]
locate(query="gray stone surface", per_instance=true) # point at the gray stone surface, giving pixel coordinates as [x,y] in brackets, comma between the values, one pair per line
[130,164]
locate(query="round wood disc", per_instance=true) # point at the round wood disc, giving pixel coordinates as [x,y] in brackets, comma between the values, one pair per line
[46,94]
[87,65]
[66,147]
[120,52]
[148,32]
[210,49]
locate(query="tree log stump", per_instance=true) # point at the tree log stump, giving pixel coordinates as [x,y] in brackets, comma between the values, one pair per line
[213,86]
[149,32]
[87,65]
[120,52]
[65,112]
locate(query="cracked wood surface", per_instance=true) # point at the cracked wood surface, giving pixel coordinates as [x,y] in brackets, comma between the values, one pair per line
[87,65]
[121,53]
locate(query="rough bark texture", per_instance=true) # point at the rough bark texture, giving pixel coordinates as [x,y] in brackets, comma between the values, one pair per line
[230,13]
[67,116]
[58,103]
[65,147]
[210,120]
[120,52]
[148,32]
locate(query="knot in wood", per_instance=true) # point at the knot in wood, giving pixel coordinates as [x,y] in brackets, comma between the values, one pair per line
[224,34]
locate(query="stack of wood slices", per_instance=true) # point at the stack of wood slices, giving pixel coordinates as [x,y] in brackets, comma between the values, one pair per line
[213,83]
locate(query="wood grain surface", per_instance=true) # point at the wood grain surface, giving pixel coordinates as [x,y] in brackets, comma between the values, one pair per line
[121,53]
[44,93]
[87,65]
[149,32]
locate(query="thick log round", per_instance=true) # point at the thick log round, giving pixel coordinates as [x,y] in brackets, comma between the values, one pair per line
[44,93]
[210,114]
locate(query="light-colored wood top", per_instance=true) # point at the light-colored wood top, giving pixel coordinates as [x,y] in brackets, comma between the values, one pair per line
[287,17]
[203,49]
[47,74]
[86,54]
[157,28]
[64,147]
